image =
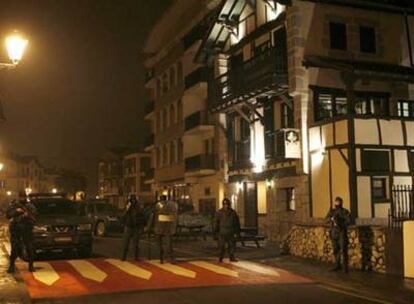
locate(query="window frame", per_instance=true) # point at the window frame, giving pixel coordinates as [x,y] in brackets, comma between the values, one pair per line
[364,44]
[334,34]
[384,197]
[410,109]
[365,157]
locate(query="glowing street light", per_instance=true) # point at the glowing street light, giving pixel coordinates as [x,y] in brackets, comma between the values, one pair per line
[1,166]
[15,45]
[9,193]
[54,191]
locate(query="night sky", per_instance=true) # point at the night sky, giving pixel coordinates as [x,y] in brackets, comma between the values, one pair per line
[79,87]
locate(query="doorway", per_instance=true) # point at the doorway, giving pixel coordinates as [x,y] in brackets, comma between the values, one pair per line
[250,205]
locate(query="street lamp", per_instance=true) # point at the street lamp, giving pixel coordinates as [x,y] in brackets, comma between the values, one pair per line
[1,166]
[15,45]
[54,191]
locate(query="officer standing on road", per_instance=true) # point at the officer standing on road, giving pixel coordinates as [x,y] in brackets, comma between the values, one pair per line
[22,217]
[227,225]
[134,223]
[164,225]
[339,219]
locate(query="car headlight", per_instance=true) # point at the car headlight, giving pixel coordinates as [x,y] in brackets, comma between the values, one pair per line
[40,228]
[84,227]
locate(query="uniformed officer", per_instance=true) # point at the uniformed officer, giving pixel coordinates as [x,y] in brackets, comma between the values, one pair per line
[164,225]
[22,217]
[227,225]
[339,219]
[134,223]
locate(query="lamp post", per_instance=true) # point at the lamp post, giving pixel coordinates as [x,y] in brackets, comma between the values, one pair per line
[15,45]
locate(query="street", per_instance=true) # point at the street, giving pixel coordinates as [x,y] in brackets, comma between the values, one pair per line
[197,278]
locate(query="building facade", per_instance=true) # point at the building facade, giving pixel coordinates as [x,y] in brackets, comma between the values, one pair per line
[135,165]
[184,144]
[282,106]
[314,105]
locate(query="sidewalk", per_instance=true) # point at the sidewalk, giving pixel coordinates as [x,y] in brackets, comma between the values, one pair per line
[369,285]
[11,291]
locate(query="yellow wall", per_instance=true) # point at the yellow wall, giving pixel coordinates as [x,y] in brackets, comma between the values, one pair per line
[366,131]
[381,210]
[364,196]
[320,185]
[341,132]
[340,177]
[391,131]
[409,125]
[401,161]
[261,197]
[408,241]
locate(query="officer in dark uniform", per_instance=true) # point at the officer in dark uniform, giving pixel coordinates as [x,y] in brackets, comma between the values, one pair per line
[227,225]
[164,225]
[339,219]
[22,217]
[134,223]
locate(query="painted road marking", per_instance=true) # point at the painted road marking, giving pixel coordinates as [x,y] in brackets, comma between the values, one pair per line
[181,271]
[88,270]
[257,268]
[215,268]
[130,269]
[45,273]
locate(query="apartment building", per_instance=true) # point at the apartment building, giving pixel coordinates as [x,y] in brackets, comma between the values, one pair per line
[134,164]
[315,100]
[184,144]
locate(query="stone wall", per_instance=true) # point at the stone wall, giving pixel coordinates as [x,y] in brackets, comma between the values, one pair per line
[366,246]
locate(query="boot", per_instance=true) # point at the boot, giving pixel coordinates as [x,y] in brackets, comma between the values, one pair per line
[11,268]
[31,267]
[233,259]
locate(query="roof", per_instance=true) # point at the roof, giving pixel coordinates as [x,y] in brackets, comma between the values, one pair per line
[363,69]
[177,20]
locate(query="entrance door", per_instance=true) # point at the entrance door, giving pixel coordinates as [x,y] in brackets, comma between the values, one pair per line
[250,204]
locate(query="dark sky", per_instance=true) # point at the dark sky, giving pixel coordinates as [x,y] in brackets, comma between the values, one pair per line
[79,87]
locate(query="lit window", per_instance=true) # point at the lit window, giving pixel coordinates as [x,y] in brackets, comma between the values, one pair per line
[379,188]
[406,108]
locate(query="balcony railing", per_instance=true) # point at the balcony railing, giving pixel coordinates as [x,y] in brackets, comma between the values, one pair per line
[148,174]
[149,107]
[241,156]
[267,69]
[200,162]
[149,140]
[196,119]
[199,75]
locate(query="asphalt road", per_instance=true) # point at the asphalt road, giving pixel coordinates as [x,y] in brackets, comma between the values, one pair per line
[279,293]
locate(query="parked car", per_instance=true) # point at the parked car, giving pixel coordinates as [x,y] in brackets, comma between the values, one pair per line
[59,226]
[105,218]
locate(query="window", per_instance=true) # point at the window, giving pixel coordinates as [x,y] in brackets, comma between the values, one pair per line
[372,105]
[375,161]
[287,197]
[207,191]
[165,155]
[412,160]
[367,39]
[379,188]
[287,116]
[329,103]
[172,114]
[180,150]
[406,108]
[338,38]
[164,119]
[159,89]
[172,153]
[172,77]
[179,72]
[165,83]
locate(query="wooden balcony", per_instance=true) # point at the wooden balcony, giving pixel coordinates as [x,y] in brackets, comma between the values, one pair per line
[198,121]
[201,162]
[241,156]
[263,74]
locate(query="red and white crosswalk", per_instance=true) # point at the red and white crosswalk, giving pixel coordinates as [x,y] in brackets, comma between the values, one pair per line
[56,279]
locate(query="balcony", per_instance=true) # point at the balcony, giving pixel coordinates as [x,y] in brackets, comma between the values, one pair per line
[202,163]
[149,108]
[198,121]
[149,142]
[148,175]
[263,74]
[241,156]
[196,77]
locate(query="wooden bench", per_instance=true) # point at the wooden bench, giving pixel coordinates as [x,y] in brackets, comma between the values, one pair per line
[250,238]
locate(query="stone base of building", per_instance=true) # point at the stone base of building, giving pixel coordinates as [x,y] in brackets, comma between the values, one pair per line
[367,246]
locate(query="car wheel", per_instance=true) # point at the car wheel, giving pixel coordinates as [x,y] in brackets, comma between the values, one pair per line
[100,229]
[85,252]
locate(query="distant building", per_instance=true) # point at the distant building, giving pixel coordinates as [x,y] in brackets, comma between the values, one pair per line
[121,173]
[185,143]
